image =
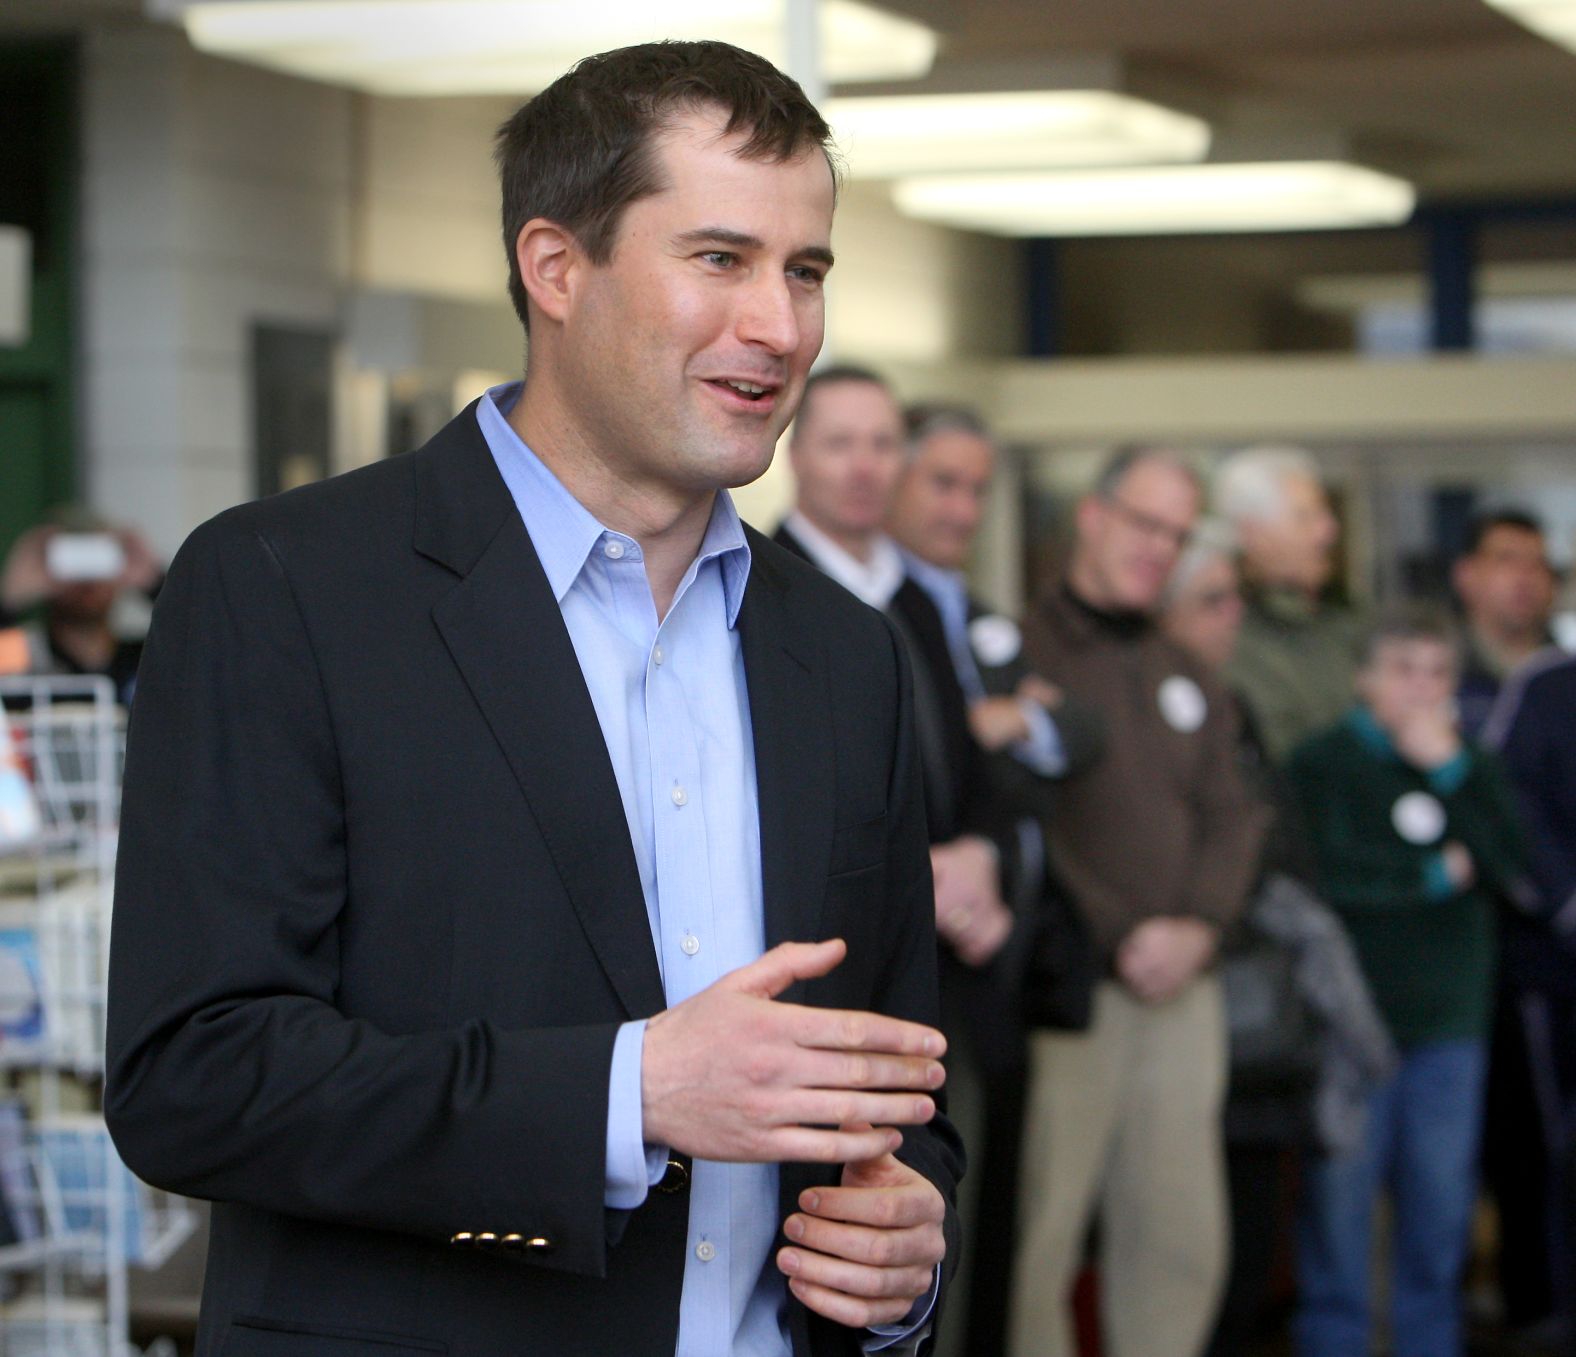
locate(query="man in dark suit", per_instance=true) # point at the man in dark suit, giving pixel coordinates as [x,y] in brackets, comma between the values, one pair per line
[847,450]
[467,793]
[1031,736]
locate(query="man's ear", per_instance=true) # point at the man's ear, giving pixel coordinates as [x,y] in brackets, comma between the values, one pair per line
[1461,577]
[1087,514]
[550,260]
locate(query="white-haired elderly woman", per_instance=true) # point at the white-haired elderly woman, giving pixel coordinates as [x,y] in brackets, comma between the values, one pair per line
[1285,1093]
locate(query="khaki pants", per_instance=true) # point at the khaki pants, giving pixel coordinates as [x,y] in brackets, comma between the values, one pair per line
[1124,1120]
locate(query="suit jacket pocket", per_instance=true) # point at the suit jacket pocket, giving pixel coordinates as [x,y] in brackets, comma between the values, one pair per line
[858,846]
[256,1336]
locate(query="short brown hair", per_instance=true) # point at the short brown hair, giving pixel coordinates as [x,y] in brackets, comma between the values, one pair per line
[834,374]
[580,152]
[1411,621]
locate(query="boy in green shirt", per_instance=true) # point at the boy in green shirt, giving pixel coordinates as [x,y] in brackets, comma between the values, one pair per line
[1415,837]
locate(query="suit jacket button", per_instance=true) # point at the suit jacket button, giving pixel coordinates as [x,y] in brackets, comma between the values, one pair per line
[463,1239]
[514,1243]
[487,1240]
[675,1177]
[539,1245]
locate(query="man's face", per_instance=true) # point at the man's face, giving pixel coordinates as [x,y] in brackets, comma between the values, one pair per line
[714,284]
[847,451]
[1129,542]
[1297,546]
[1407,678]
[941,497]
[1506,585]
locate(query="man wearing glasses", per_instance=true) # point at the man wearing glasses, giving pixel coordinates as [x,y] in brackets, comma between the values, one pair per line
[1156,845]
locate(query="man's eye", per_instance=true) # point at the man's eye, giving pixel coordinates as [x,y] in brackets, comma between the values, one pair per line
[806,273]
[721,258]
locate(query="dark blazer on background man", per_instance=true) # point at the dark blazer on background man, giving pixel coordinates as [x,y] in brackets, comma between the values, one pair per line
[378,918]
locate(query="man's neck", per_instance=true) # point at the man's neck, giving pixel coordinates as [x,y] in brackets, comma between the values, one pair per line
[1266,582]
[1504,650]
[669,525]
[1085,587]
[860,545]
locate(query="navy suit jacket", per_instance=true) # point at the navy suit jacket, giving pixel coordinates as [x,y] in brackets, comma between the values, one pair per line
[378,918]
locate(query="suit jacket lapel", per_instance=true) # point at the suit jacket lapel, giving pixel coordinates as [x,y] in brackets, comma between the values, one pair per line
[795,772]
[507,636]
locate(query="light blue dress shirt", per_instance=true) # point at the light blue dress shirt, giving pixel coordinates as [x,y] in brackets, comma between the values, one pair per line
[674,710]
[1042,752]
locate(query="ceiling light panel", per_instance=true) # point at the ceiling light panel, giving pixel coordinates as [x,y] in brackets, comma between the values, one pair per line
[1551,19]
[1162,200]
[405,47]
[895,135]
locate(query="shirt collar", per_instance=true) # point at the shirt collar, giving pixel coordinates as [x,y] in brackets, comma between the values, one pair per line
[874,581]
[945,586]
[564,532]
[1370,732]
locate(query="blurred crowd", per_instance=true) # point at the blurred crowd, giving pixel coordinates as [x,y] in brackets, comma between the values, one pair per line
[1250,903]
[1255,910]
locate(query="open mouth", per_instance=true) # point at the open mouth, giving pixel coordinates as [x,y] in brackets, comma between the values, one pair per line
[751,393]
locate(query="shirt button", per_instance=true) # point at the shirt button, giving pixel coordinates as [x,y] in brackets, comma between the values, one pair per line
[614,551]
[680,796]
[656,655]
[689,944]
[705,1250]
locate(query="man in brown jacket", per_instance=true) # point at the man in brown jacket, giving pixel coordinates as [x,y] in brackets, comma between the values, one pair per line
[1156,844]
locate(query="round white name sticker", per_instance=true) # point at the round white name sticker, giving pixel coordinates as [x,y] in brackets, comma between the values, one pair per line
[1418,818]
[1182,703]
[995,639]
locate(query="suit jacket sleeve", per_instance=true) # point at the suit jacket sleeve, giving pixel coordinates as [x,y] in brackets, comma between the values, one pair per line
[231,1073]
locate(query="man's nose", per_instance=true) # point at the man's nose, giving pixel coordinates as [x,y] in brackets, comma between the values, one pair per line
[768,316]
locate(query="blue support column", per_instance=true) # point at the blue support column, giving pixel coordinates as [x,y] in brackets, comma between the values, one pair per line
[1452,269]
[1042,298]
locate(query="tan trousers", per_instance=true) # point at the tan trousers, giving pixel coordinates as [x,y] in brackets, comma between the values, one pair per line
[1124,1120]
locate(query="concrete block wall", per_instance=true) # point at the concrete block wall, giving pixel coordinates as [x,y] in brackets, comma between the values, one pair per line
[214,196]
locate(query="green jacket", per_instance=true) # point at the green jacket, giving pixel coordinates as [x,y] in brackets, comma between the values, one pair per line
[1294,665]
[1378,826]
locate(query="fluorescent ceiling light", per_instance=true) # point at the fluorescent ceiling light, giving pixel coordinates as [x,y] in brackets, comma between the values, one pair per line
[888,136]
[1162,200]
[404,47]
[1552,19]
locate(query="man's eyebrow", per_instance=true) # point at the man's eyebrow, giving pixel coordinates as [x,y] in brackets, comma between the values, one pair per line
[743,240]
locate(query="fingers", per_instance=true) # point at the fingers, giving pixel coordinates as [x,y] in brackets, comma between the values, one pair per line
[840,1107]
[853,1312]
[809,1145]
[833,1029]
[919,1246]
[874,1295]
[787,962]
[873,1208]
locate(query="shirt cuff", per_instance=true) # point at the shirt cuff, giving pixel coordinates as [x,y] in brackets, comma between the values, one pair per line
[906,1335]
[1042,752]
[1448,777]
[632,1165]
[1437,884]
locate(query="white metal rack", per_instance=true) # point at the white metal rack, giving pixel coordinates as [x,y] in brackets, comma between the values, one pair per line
[73,1214]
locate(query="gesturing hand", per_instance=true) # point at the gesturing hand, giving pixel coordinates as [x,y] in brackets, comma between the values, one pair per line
[864,1252]
[732,1074]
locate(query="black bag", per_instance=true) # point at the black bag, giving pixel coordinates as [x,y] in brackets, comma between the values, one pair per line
[1273,1036]
[1059,968]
